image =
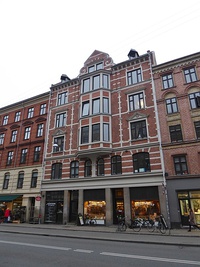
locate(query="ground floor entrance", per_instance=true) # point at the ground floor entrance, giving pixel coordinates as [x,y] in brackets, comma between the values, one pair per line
[103,206]
[187,200]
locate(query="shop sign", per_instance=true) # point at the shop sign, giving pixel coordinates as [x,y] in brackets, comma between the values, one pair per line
[38,198]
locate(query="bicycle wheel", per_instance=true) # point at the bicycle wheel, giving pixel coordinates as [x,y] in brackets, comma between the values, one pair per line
[162,228]
[136,225]
[151,226]
[121,227]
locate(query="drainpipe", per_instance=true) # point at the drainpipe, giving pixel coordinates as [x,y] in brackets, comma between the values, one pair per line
[164,185]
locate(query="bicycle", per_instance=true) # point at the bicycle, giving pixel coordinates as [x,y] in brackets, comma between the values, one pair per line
[91,221]
[158,224]
[138,223]
[122,225]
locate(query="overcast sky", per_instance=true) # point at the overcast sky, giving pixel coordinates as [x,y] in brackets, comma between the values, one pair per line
[42,39]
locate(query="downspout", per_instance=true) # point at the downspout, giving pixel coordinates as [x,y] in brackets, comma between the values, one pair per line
[43,159]
[164,185]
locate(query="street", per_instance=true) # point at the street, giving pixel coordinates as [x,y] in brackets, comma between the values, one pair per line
[20,250]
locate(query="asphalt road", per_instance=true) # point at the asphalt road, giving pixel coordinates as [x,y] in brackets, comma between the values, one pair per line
[24,250]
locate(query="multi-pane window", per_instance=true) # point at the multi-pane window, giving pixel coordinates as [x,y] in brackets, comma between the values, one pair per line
[61,120]
[95,132]
[138,130]
[34,179]
[134,76]
[27,133]
[116,165]
[23,155]
[105,105]
[100,167]
[5,120]
[85,135]
[74,169]
[194,100]
[105,83]
[141,162]
[190,75]
[175,133]
[10,157]
[171,105]
[43,109]
[106,133]
[86,85]
[56,171]
[180,165]
[20,180]
[197,129]
[88,168]
[30,113]
[13,136]
[95,82]
[62,98]
[96,106]
[40,129]
[85,108]
[37,151]
[98,66]
[58,144]
[17,116]
[2,135]
[167,81]
[136,101]
[6,180]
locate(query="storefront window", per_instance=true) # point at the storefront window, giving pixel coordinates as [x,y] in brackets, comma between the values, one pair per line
[145,209]
[95,210]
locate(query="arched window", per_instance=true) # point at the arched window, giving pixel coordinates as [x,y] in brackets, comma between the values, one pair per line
[141,162]
[56,171]
[20,180]
[116,165]
[74,169]
[6,180]
[100,167]
[34,178]
[88,168]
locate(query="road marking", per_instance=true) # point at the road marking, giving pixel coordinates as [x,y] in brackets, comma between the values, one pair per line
[151,258]
[34,245]
[83,250]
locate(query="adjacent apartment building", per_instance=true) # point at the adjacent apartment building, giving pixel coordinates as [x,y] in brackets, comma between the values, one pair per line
[177,84]
[22,137]
[103,151]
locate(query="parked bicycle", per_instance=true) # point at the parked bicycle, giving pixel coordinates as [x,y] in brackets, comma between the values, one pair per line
[138,223]
[158,224]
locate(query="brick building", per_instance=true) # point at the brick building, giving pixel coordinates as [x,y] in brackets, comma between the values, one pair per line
[102,155]
[22,137]
[178,99]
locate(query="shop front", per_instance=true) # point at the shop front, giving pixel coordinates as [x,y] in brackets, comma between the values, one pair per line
[144,202]
[94,206]
[187,200]
[14,203]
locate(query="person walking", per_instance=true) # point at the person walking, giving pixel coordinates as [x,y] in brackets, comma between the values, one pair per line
[192,220]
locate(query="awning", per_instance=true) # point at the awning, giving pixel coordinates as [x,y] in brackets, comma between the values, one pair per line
[8,198]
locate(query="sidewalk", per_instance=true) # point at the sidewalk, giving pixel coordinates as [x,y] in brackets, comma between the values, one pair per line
[178,237]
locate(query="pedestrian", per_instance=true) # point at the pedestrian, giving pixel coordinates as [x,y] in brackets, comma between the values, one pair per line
[192,220]
[7,215]
[1,215]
